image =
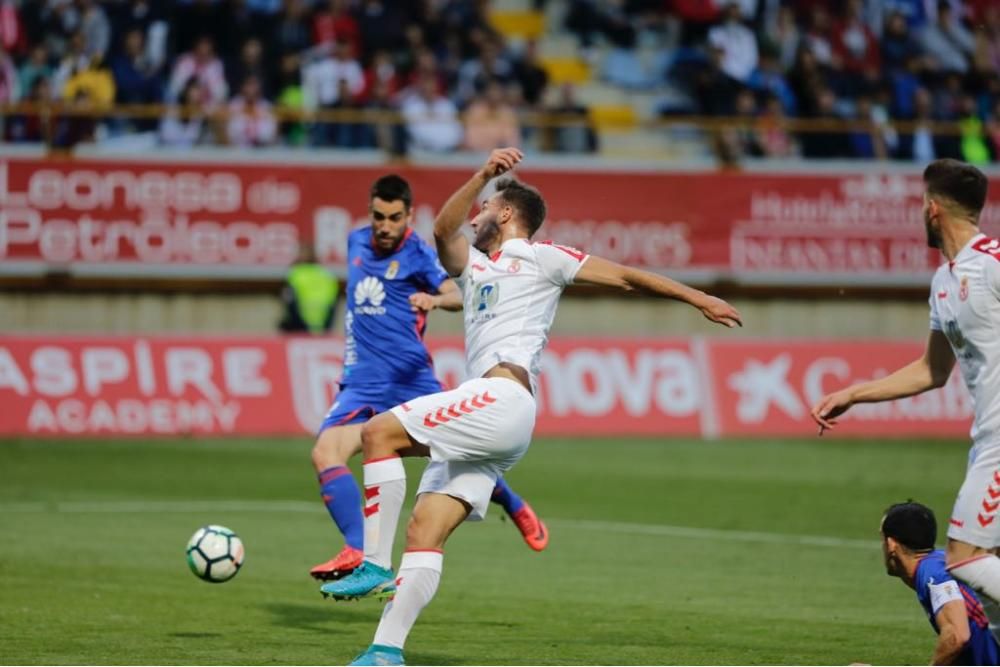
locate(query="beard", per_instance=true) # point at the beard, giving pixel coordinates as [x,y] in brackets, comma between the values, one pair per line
[933,236]
[486,234]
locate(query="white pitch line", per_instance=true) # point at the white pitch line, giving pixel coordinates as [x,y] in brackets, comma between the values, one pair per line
[298,506]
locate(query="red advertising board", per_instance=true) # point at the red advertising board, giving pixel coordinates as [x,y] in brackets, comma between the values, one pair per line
[246,219]
[108,386]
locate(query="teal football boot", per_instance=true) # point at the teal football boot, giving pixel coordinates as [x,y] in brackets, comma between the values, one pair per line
[377,654]
[367,581]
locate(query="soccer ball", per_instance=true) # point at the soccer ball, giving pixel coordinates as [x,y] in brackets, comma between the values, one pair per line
[215,554]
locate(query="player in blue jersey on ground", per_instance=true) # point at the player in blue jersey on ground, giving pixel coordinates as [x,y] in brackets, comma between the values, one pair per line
[956,614]
[394,279]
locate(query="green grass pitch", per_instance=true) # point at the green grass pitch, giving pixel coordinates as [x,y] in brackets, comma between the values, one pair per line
[662,552]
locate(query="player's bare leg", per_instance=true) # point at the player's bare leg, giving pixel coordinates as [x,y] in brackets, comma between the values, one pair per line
[384,442]
[333,448]
[434,519]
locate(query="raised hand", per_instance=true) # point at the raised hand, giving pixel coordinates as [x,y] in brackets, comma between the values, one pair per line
[501,161]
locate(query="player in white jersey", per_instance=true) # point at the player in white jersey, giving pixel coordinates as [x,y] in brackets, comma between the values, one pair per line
[964,324]
[511,288]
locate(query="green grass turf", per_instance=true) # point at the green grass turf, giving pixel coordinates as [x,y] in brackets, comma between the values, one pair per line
[92,568]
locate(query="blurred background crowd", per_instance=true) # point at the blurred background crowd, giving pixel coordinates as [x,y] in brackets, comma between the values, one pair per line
[918,79]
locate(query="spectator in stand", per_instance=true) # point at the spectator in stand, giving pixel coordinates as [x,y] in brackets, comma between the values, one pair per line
[715,91]
[946,41]
[431,119]
[242,23]
[530,74]
[251,122]
[772,130]
[975,148]
[388,136]
[898,44]
[148,19]
[854,44]
[818,38]
[492,63]
[33,127]
[137,78]
[35,67]
[866,141]
[291,98]
[334,23]
[905,82]
[75,60]
[185,126]
[201,64]
[920,145]
[10,82]
[490,122]
[93,86]
[12,32]
[824,143]
[291,32]
[381,72]
[425,66]
[96,29]
[738,141]
[381,25]
[768,78]
[785,36]
[575,138]
[737,44]
[326,82]
[250,63]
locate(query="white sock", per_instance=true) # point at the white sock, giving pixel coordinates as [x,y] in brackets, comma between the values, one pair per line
[981,573]
[419,574]
[385,490]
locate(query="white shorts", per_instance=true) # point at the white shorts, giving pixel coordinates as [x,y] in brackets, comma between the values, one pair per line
[476,433]
[975,518]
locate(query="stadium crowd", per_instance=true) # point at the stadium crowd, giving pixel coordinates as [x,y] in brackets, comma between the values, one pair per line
[458,83]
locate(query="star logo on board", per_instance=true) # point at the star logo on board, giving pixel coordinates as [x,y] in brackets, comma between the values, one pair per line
[763,384]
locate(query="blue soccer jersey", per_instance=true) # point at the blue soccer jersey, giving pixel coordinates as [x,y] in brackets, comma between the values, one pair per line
[936,588]
[383,336]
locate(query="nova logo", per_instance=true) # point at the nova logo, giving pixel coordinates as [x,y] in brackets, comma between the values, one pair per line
[369,291]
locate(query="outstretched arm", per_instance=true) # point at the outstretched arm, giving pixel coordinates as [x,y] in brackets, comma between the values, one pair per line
[605,273]
[452,246]
[928,372]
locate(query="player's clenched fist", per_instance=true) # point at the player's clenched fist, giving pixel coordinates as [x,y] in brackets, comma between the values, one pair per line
[830,407]
[501,161]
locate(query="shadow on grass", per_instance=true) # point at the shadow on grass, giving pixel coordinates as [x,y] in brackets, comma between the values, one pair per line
[322,618]
[421,658]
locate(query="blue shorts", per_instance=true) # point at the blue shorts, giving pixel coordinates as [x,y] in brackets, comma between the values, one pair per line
[358,404]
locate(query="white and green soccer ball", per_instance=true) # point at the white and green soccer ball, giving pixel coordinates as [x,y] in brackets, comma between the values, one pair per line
[215,554]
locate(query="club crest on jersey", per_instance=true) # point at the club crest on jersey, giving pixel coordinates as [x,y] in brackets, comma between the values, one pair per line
[393,269]
[514,266]
[963,291]
[486,297]
[368,297]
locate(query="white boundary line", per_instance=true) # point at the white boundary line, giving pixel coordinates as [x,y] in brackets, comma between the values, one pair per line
[297,506]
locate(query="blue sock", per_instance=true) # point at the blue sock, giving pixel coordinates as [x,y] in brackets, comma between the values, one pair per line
[504,496]
[343,501]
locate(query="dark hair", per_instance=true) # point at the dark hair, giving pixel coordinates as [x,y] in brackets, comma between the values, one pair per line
[392,188]
[526,200]
[960,182]
[911,524]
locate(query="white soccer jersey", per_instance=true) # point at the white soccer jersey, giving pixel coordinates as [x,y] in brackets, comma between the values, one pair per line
[510,301]
[965,305]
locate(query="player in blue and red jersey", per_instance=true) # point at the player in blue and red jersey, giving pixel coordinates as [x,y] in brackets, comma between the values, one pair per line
[956,614]
[394,279]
